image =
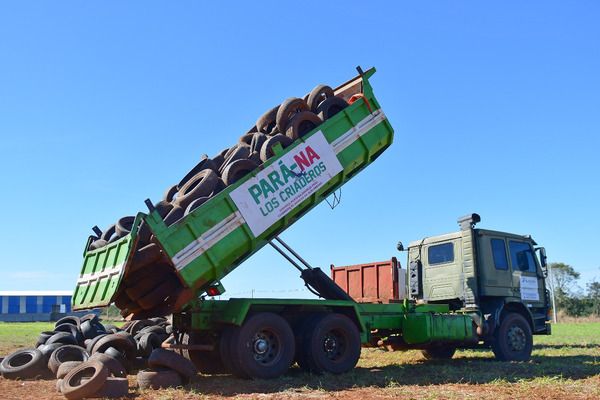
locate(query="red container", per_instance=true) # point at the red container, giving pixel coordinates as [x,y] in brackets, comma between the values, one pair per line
[379,282]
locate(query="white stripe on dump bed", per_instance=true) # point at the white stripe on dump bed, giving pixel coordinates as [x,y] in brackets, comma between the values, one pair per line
[235,220]
[207,240]
[356,132]
[104,274]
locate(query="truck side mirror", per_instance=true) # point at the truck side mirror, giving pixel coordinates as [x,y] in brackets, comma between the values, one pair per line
[400,246]
[542,251]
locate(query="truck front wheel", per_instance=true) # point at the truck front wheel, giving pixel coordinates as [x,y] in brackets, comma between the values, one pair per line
[513,339]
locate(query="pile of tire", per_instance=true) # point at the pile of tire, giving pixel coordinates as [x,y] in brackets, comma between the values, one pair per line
[90,359]
[151,281]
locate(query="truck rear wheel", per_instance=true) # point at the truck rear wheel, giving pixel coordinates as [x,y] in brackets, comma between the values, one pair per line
[438,353]
[263,347]
[513,339]
[332,344]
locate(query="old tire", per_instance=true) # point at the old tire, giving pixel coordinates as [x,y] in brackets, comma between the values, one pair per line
[118,341]
[170,193]
[264,346]
[23,364]
[160,293]
[318,95]
[113,388]
[266,122]
[332,344]
[331,107]
[65,354]
[513,340]
[62,337]
[73,387]
[144,286]
[287,110]
[201,184]
[114,366]
[438,353]
[195,204]
[205,163]
[267,152]
[147,343]
[301,124]
[66,367]
[165,358]
[124,226]
[158,379]
[108,232]
[237,170]
[257,141]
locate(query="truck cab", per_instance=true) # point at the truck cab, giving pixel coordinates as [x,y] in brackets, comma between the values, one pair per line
[489,274]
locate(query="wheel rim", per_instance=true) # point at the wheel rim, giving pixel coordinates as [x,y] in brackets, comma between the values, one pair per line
[517,339]
[266,347]
[334,345]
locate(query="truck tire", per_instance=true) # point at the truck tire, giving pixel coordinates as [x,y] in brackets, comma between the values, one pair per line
[318,95]
[438,353]
[228,337]
[264,346]
[287,110]
[207,362]
[201,184]
[72,386]
[331,107]
[301,124]
[513,340]
[23,364]
[266,151]
[332,344]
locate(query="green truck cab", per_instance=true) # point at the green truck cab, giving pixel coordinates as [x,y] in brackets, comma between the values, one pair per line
[493,276]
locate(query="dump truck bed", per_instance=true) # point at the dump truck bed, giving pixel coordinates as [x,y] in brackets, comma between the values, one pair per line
[214,239]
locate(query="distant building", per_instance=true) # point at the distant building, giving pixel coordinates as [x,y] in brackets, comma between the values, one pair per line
[25,306]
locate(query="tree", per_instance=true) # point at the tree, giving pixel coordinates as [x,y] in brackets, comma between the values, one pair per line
[564,277]
[594,296]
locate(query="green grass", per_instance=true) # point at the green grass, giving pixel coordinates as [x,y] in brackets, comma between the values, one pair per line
[563,365]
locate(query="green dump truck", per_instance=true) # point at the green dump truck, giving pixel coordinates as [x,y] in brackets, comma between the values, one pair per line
[173,265]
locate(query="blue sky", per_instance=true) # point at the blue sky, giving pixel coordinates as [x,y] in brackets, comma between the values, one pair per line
[495,107]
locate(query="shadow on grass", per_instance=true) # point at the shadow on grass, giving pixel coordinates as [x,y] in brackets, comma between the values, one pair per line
[460,370]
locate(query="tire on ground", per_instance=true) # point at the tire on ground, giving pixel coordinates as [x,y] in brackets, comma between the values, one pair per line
[73,387]
[64,354]
[438,352]
[165,358]
[23,364]
[158,379]
[114,366]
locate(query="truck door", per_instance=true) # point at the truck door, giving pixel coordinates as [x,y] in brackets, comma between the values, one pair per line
[494,269]
[528,282]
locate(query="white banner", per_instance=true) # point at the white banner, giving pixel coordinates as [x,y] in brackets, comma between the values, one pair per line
[277,189]
[529,288]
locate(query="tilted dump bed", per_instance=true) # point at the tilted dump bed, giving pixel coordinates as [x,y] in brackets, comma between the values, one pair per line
[214,239]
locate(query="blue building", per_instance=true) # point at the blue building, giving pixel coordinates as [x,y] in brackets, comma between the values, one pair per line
[26,306]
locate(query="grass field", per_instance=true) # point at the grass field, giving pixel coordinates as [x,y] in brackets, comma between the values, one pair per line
[565,365]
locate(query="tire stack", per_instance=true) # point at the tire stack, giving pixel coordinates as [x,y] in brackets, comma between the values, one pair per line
[90,359]
[151,283]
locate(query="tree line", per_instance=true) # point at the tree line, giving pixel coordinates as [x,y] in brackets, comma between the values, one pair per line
[570,298]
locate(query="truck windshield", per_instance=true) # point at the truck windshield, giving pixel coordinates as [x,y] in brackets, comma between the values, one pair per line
[521,257]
